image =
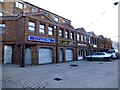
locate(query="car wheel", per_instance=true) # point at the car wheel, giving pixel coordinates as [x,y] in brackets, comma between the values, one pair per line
[105,59]
[89,59]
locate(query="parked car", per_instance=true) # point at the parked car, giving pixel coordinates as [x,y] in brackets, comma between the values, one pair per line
[99,56]
[114,53]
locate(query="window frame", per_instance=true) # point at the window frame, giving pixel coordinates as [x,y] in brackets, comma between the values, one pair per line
[85,37]
[34,9]
[82,37]
[30,27]
[42,28]
[72,35]
[19,5]
[56,19]
[1,0]
[67,34]
[2,28]
[78,37]
[50,31]
[61,33]
[1,13]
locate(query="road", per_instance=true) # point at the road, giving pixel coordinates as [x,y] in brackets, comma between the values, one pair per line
[83,74]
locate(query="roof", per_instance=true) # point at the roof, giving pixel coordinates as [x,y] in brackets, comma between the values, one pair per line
[82,30]
[46,10]
[91,33]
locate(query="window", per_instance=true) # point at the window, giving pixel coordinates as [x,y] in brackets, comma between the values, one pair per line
[72,35]
[19,5]
[31,26]
[42,28]
[50,30]
[82,37]
[34,10]
[2,27]
[89,40]
[67,34]
[1,13]
[1,0]
[56,19]
[78,37]
[85,38]
[61,33]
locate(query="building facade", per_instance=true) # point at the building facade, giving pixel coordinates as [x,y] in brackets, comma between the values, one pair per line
[31,35]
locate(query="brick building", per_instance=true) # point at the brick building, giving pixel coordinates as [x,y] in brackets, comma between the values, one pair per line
[32,35]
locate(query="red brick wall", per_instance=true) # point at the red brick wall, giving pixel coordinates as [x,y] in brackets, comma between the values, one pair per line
[10,31]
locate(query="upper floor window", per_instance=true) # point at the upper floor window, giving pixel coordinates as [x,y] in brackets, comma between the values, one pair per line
[56,19]
[1,13]
[1,0]
[34,10]
[50,30]
[78,37]
[67,34]
[85,38]
[89,40]
[72,35]
[42,28]
[2,27]
[82,37]
[31,26]
[61,33]
[19,5]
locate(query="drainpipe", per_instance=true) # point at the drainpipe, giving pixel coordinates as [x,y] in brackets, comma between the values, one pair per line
[23,45]
[57,43]
[22,49]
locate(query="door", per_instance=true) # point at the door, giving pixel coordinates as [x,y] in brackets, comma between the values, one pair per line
[61,55]
[7,54]
[69,55]
[80,57]
[28,56]
[45,55]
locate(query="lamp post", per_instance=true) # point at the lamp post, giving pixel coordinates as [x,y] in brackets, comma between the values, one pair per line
[116,3]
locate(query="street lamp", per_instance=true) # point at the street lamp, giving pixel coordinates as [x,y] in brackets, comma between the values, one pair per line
[116,3]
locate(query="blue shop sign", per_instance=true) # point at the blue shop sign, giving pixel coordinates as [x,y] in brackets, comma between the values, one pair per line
[41,39]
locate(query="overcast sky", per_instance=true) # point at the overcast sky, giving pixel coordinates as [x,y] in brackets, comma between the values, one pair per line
[99,16]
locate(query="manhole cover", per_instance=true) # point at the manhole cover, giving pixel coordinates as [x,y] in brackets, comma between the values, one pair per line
[74,65]
[100,63]
[57,79]
[57,65]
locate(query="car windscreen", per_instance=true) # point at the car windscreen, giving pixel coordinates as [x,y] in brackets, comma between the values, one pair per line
[101,54]
[111,51]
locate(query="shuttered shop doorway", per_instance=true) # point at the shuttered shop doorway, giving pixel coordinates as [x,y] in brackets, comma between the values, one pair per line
[45,55]
[28,56]
[69,55]
[7,54]
[60,55]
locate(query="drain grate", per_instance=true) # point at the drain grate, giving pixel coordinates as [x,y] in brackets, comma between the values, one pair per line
[57,79]
[74,65]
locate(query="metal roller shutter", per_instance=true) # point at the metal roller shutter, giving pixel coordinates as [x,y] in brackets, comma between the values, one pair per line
[45,55]
[69,55]
[61,55]
[28,56]
[7,54]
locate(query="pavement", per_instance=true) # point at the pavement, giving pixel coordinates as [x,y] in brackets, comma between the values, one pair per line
[95,74]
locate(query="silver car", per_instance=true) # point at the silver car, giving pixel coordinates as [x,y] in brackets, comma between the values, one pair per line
[99,56]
